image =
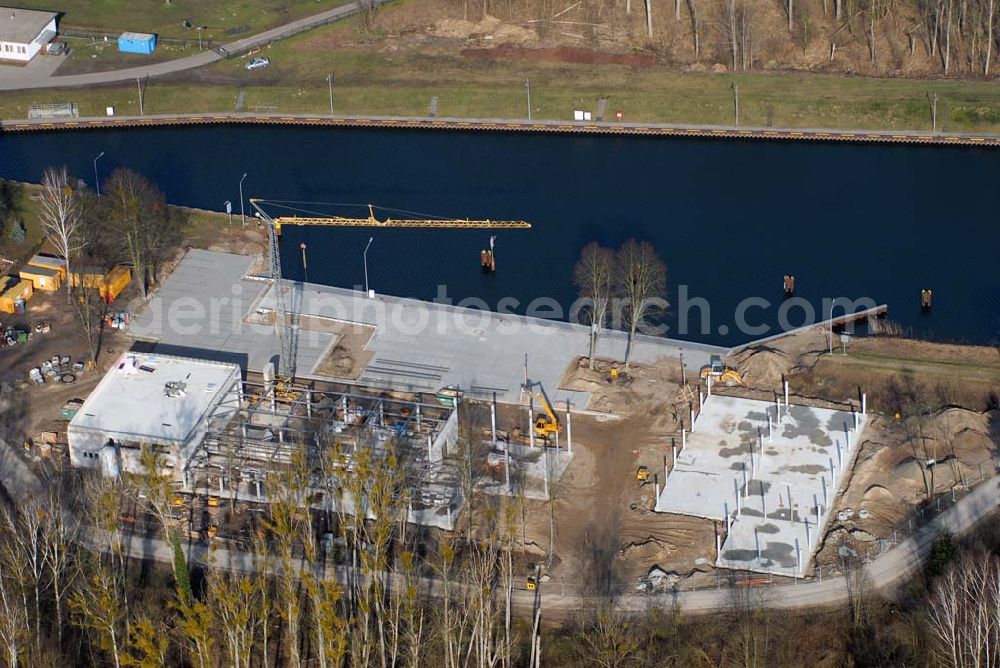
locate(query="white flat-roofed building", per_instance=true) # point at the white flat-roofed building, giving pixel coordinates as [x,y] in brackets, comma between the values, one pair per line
[157,400]
[25,32]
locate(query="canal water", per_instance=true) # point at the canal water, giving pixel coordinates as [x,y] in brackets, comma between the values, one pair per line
[729,218]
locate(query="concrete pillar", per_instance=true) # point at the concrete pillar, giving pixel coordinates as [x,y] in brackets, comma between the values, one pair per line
[826,503]
[656,506]
[864,404]
[569,426]
[736,493]
[545,472]
[673,458]
[701,400]
[493,419]
[777,410]
[506,464]
[381,414]
[809,541]
[833,472]
[683,438]
[430,448]
[729,518]
[531,421]
[798,557]
[786,395]
[709,386]
[756,540]
[257,485]
[309,404]
[854,414]
[718,549]
[666,471]
[419,421]
[691,408]
[816,506]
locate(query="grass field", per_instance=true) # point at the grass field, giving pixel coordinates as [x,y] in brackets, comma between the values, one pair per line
[238,17]
[380,85]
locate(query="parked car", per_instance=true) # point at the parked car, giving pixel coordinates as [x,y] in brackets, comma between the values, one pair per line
[56,48]
[258,63]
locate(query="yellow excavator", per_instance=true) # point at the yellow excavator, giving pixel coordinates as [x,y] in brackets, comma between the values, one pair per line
[547,422]
[722,373]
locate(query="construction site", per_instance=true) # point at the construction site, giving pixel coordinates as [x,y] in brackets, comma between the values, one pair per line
[694,462]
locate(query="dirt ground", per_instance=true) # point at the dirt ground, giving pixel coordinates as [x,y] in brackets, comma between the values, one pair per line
[348,357]
[39,406]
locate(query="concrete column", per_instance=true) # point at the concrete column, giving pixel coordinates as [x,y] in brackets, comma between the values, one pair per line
[569,426]
[531,421]
[309,404]
[419,422]
[493,419]
[656,506]
[736,492]
[826,503]
[786,395]
[666,471]
[545,472]
[864,404]
[809,541]
[692,417]
[709,386]
[840,455]
[683,438]
[854,413]
[506,463]
[673,458]
[756,540]
[816,506]
[798,558]
[718,549]
[777,410]
[701,400]
[430,448]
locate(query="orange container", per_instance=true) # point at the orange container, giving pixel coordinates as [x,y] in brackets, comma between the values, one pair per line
[114,283]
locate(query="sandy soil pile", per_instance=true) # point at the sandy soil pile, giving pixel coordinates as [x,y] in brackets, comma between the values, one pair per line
[490,28]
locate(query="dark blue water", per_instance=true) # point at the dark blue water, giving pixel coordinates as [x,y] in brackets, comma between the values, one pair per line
[728,217]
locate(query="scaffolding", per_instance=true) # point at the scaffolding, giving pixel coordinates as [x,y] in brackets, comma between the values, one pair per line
[247,445]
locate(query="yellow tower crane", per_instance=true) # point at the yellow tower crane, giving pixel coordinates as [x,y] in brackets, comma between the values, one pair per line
[286,362]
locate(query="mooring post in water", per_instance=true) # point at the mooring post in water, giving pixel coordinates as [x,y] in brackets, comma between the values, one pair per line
[926,296]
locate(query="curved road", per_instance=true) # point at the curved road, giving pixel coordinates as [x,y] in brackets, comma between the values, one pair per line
[25,78]
[885,571]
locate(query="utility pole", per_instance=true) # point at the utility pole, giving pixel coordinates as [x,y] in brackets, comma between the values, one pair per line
[138,84]
[329,80]
[736,102]
[527,85]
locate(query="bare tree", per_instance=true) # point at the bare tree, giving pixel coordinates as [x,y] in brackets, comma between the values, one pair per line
[641,280]
[145,228]
[592,277]
[60,217]
[964,612]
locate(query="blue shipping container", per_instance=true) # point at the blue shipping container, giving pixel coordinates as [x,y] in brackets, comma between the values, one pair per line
[137,42]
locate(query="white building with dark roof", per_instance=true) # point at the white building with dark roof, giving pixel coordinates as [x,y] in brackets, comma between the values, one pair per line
[145,399]
[25,32]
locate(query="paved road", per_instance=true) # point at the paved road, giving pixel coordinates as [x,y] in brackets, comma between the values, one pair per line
[885,571]
[18,78]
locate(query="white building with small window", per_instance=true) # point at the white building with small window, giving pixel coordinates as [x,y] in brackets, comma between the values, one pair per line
[159,401]
[25,32]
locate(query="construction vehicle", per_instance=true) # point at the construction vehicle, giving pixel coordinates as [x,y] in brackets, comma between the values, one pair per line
[721,373]
[282,381]
[642,474]
[532,580]
[546,423]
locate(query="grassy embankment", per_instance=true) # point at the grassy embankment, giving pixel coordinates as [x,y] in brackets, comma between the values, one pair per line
[370,79]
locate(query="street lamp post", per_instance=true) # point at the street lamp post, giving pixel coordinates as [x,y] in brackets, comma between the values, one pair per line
[97,181]
[370,239]
[527,85]
[243,216]
[305,266]
[329,80]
